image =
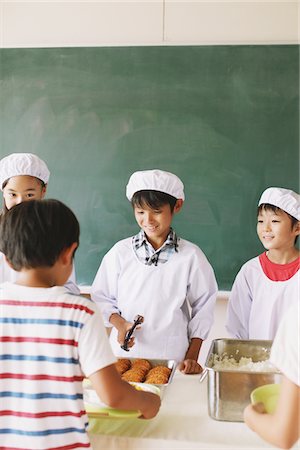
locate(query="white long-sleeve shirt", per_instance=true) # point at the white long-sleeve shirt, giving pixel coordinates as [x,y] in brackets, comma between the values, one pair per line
[285,349]
[8,274]
[176,298]
[257,304]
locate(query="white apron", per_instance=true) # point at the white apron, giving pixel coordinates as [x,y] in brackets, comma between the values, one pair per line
[176,299]
[257,304]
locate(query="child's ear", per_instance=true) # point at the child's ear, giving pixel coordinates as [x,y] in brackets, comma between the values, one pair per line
[66,255]
[44,190]
[297,228]
[8,262]
[178,205]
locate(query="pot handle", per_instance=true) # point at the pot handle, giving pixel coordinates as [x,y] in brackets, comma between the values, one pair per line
[203,375]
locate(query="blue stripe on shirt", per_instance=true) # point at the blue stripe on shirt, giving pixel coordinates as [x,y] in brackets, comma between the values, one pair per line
[70,323]
[38,358]
[41,433]
[40,396]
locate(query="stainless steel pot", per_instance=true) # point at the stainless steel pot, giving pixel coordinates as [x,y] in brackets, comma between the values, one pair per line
[229,390]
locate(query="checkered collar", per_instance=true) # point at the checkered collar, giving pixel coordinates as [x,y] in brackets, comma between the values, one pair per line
[171,241]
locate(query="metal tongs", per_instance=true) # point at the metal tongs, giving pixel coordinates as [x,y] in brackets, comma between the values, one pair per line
[137,321]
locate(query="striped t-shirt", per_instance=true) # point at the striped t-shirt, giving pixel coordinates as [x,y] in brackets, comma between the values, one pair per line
[49,340]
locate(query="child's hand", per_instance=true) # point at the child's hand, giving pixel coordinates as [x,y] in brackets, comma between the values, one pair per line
[259,407]
[150,405]
[190,366]
[256,408]
[123,326]
[252,414]
[122,331]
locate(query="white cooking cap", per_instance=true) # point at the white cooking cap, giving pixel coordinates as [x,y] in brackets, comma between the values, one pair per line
[23,164]
[285,199]
[155,180]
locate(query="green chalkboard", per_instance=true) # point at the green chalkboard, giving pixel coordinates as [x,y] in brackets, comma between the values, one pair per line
[223,118]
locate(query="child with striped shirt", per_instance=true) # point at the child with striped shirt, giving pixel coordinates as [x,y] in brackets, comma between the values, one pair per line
[51,339]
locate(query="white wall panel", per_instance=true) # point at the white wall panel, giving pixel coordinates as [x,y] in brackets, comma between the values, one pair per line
[218,1]
[52,24]
[226,22]
[1,24]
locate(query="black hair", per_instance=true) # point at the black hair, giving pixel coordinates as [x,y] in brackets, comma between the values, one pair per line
[41,181]
[153,199]
[275,209]
[33,234]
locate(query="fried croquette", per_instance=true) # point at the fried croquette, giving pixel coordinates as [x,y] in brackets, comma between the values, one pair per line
[136,375]
[122,365]
[160,369]
[144,363]
[141,370]
[157,378]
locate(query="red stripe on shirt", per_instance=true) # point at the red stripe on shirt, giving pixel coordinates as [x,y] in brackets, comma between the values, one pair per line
[21,376]
[65,447]
[47,304]
[43,340]
[70,447]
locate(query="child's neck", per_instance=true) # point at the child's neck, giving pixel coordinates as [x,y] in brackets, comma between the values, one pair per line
[39,278]
[283,257]
[158,241]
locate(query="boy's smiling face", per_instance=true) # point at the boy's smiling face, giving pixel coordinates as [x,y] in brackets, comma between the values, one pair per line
[156,223]
[275,230]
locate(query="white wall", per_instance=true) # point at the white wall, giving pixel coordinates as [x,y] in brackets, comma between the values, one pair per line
[218,330]
[56,23]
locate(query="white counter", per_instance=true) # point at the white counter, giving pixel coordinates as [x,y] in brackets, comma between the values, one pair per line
[182,423]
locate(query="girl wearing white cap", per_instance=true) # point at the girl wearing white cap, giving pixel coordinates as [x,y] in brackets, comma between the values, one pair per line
[268,284]
[155,274]
[23,177]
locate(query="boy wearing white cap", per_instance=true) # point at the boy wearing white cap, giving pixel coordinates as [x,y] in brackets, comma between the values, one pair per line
[268,284]
[159,276]
[23,177]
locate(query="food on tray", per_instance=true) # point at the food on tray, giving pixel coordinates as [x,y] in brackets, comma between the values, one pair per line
[137,375]
[225,362]
[158,375]
[141,370]
[160,370]
[142,363]
[158,378]
[122,365]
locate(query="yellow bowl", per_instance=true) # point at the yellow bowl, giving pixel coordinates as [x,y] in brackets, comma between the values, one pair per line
[268,395]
